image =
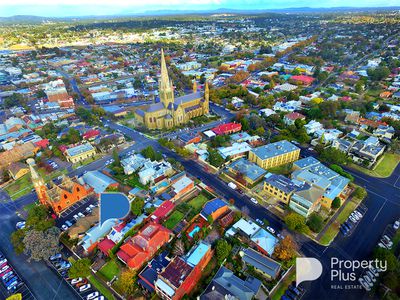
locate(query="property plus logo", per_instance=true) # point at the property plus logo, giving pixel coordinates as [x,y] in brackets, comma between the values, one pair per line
[307,269]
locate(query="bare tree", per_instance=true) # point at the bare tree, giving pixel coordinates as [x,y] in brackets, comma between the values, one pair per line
[179,248]
[41,244]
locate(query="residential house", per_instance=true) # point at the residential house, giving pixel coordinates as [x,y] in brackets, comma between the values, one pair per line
[95,233]
[235,150]
[290,118]
[214,209]
[313,126]
[154,171]
[261,263]
[275,154]
[141,247]
[227,128]
[225,285]
[17,170]
[182,274]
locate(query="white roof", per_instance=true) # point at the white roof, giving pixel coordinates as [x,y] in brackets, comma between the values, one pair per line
[248,227]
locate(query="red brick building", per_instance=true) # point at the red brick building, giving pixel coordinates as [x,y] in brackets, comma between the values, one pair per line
[227,128]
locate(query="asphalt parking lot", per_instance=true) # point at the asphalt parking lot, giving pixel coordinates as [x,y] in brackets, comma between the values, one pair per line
[80,206]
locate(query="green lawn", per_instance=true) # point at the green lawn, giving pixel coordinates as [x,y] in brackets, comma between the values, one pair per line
[283,170]
[384,168]
[198,202]
[110,269]
[284,285]
[101,288]
[333,230]
[19,187]
[173,219]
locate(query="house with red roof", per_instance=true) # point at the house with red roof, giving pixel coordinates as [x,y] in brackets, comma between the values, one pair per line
[142,247]
[91,134]
[162,211]
[42,144]
[302,79]
[290,118]
[227,128]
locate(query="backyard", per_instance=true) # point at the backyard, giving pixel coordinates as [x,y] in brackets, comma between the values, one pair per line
[384,168]
[198,202]
[174,219]
[109,270]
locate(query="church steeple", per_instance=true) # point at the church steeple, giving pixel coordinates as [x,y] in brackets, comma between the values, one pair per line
[194,86]
[38,182]
[165,85]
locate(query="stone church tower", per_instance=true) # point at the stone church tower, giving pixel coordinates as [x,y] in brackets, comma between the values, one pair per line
[38,183]
[166,90]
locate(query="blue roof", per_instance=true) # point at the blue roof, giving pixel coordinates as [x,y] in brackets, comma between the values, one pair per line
[96,232]
[248,169]
[197,254]
[281,182]
[212,206]
[274,149]
[98,181]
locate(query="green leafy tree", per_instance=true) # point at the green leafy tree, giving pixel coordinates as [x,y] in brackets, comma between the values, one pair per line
[295,222]
[336,203]
[315,222]
[80,268]
[38,218]
[222,250]
[386,255]
[17,240]
[137,206]
[214,158]
[360,192]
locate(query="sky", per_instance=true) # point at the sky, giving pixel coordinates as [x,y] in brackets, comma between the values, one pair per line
[63,8]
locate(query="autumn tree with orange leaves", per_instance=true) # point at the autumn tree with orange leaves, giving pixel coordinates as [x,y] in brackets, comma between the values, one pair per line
[286,249]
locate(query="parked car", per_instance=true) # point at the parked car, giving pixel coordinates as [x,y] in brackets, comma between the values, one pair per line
[396,225]
[370,275]
[93,295]
[68,223]
[358,214]
[81,215]
[3,269]
[364,284]
[76,217]
[20,225]
[253,200]
[99,298]
[55,256]
[64,227]
[270,229]
[260,222]
[76,280]
[88,210]
[368,280]
[85,287]
[91,206]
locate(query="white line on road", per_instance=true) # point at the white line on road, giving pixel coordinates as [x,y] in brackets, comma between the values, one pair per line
[384,203]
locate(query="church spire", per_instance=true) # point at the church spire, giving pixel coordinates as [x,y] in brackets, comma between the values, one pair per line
[194,86]
[164,80]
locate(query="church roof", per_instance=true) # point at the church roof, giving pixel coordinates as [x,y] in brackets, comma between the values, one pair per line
[188,98]
[155,107]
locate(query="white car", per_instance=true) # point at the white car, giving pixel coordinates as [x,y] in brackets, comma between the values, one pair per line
[64,227]
[396,225]
[76,217]
[93,295]
[270,229]
[92,206]
[85,287]
[76,280]
[364,284]
[358,214]
[371,276]
[99,298]
[81,215]
[368,280]
[382,245]
[20,225]
[253,200]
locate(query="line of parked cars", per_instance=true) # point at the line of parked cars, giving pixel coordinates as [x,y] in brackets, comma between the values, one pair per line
[8,276]
[293,292]
[81,285]
[369,277]
[353,219]
[77,216]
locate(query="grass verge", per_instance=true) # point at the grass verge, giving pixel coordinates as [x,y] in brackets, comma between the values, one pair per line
[384,168]
[101,288]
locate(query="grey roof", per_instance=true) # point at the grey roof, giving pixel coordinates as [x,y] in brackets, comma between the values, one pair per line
[274,149]
[281,182]
[248,169]
[188,98]
[140,112]
[261,262]
[226,283]
[155,107]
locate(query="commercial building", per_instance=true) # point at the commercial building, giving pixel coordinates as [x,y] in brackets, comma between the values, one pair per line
[280,187]
[275,154]
[79,153]
[250,172]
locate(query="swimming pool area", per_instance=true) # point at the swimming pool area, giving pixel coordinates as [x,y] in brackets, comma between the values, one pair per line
[195,230]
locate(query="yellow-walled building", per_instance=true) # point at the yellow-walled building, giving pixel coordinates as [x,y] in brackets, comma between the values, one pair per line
[171,111]
[275,154]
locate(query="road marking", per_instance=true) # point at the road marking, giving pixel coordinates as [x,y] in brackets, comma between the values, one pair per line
[358,176]
[395,184]
[384,203]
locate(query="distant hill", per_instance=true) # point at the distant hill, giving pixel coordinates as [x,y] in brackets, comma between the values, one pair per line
[18,19]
